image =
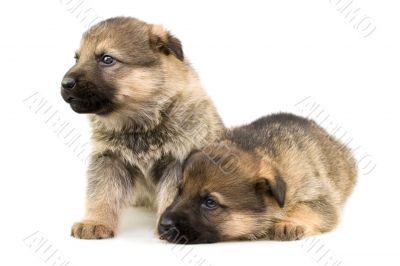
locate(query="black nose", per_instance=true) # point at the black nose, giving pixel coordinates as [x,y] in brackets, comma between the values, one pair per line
[68,83]
[165,225]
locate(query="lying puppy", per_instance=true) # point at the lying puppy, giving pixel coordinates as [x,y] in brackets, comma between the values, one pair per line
[147,110]
[281,177]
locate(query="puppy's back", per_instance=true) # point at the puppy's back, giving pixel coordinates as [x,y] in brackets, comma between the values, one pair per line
[303,149]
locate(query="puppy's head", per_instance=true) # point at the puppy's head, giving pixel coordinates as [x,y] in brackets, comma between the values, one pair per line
[120,60]
[217,203]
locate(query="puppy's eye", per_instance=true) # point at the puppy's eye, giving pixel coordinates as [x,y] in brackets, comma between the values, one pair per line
[209,203]
[107,60]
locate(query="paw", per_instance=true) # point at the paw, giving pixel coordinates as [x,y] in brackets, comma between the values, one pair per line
[286,232]
[91,230]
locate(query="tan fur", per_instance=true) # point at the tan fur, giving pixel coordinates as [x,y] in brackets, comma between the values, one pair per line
[159,31]
[290,180]
[304,217]
[238,225]
[160,113]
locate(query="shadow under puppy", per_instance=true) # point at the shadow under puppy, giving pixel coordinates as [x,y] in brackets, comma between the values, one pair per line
[147,110]
[281,177]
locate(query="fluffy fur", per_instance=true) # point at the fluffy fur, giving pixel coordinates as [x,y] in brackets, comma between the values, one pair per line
[281,177]
[147,111]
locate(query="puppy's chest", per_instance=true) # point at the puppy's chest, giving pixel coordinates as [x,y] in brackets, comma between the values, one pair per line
[149,155]
[140,145]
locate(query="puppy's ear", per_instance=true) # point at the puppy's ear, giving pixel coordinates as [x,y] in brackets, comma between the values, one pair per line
[162,41]
[275,187]
[193,156]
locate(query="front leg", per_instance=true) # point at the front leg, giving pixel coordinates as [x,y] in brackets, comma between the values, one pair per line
[305,219]
[286,231]
[109,187]
[166,172]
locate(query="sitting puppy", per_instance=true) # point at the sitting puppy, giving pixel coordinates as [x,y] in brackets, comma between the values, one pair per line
[281,177]
[147,110]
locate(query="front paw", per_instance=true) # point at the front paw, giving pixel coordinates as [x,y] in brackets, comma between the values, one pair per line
[286,232]
[91,230]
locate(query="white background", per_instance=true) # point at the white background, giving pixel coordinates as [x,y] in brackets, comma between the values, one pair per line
[254,58]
